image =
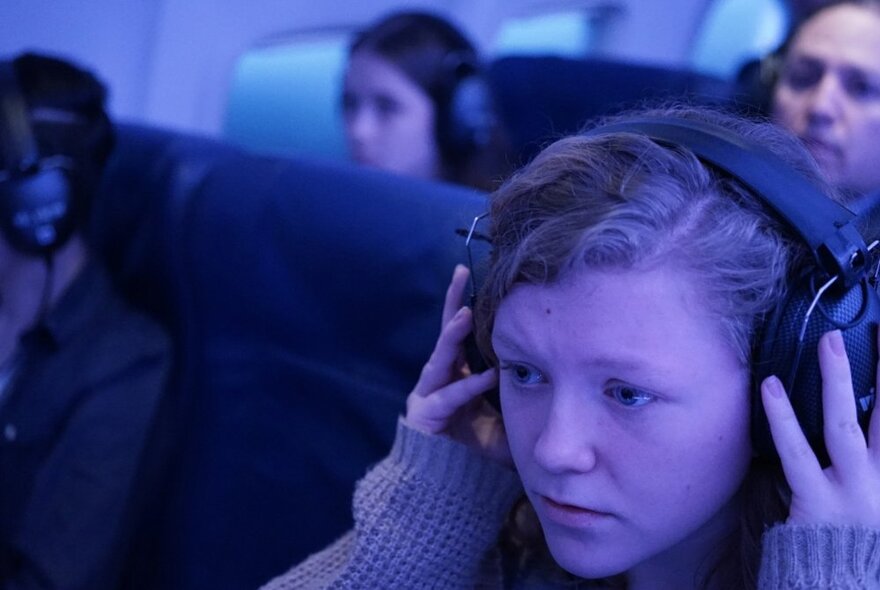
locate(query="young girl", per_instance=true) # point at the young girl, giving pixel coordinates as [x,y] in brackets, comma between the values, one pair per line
[415,103]
[627,282]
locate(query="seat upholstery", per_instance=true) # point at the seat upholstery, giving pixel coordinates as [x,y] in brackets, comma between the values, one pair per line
[303,299]
[541,98]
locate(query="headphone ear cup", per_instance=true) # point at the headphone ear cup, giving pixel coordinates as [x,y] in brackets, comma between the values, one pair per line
[756,82]
[779,351]
[471,115]
[35,210]
[466,118]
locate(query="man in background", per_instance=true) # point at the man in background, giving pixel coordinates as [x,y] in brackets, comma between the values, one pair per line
[81,372]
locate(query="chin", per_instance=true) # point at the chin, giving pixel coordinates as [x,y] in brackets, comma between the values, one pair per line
[591,561]
[586,568]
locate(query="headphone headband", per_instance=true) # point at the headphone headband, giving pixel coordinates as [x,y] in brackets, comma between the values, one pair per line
[824,225]
[18,148]
[787,338]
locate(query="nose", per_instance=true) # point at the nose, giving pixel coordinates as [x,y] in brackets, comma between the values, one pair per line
[567,442]
[360,125]
[823,106]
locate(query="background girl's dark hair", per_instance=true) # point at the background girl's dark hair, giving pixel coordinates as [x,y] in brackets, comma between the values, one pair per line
[420,45]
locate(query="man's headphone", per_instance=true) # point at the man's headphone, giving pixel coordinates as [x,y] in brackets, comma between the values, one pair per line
[37,194]
[838,293]
[756,82]
[466,118]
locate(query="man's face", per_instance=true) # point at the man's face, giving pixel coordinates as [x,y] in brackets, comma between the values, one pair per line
[829,94]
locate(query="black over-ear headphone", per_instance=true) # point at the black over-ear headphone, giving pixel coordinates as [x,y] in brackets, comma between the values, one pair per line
[838,294]
[466,121]
[36,193]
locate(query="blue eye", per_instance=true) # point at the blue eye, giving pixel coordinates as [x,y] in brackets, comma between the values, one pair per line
[629,396]
[522,374]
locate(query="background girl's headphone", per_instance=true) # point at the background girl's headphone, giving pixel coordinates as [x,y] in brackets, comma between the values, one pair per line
[466,116]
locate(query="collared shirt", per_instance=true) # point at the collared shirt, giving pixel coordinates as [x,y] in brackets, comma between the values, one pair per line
[73,427]
[7,372]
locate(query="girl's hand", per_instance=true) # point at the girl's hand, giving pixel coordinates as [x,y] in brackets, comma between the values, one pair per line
[848,491]
[447,399]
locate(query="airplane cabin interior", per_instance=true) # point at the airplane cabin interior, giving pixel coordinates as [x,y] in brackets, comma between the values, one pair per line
[303,293]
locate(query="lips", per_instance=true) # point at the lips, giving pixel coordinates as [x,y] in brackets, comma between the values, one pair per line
[570,515]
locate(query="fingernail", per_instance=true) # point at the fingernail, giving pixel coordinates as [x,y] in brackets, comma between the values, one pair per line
[773,386]
[835,341]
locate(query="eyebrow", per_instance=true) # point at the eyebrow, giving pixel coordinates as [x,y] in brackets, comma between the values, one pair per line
[621,363]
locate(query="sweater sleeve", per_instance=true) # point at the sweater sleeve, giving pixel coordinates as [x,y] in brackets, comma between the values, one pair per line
[425,517]
[820,557]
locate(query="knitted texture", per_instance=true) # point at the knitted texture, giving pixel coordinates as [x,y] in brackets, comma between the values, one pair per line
[839,558]
[427,516]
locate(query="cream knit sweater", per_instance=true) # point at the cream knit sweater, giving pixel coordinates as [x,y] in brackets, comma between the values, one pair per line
[429,515]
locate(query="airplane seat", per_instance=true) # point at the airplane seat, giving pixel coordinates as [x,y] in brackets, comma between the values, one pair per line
[541,98]
[303,299]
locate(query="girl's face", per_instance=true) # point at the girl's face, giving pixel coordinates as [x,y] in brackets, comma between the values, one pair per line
[389,120]
[627,416]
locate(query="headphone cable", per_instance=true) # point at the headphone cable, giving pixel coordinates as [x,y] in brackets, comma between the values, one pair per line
[45,299]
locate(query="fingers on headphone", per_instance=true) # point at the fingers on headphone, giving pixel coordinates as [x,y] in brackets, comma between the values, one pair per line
[844,438]
[446,356]
[799,462]
[874,424]
[455,293]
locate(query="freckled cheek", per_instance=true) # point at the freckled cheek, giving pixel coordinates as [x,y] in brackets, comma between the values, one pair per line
[724,451]
[698,447]
[523,423]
